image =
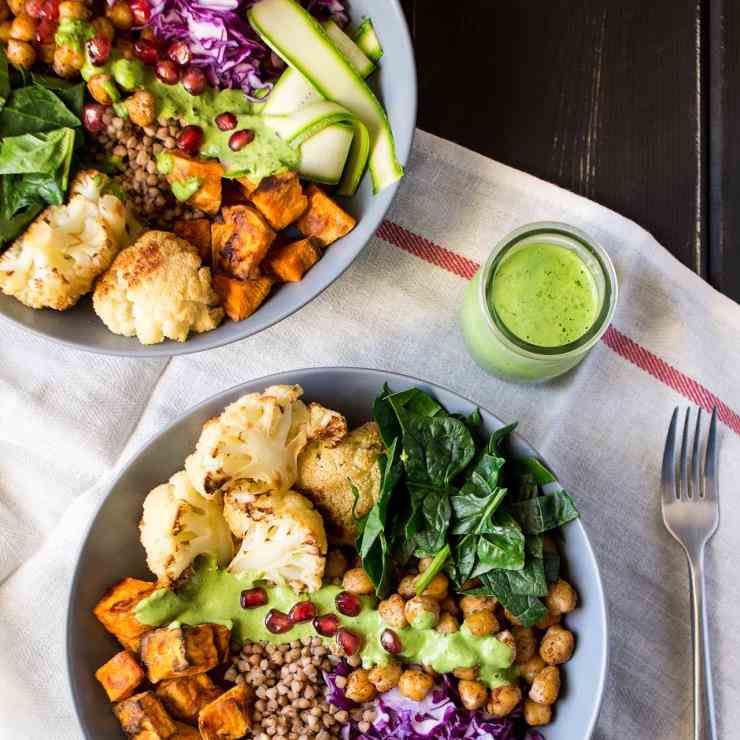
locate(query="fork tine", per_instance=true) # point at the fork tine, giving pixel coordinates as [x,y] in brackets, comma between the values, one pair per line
[682,489]
[668,475]
[711,490]
[694,485]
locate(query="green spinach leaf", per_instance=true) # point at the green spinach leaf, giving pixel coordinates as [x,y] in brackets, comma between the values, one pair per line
[538,515]
[4,78]
[551,562]
[532,466]
[71,93]
[436,513]
[530,580]
[526,609]
[11,228]
[502,546]
[34,109]
[36,152]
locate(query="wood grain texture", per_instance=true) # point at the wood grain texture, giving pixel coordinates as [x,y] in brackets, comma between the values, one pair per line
[606,99]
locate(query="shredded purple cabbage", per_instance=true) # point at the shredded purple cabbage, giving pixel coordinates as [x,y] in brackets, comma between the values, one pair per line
[223,43]
[439,716]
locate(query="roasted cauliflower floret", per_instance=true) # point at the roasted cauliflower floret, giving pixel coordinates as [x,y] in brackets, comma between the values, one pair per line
[283,538]
[178,524]
[58,258]
[157,289]
[325,471]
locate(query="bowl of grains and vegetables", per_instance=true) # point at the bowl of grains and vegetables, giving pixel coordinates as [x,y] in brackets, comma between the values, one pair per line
[323,575]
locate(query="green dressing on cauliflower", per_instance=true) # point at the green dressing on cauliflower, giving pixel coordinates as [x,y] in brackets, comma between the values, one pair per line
[211,594]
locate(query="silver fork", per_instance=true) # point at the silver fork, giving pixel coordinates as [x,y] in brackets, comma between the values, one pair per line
[691,514]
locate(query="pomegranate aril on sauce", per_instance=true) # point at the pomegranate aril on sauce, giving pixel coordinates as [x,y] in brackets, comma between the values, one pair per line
[391,642]
[303,611]
[98,49]
[141,10]
[348,604]
[190,139]
[45,32]
[33,8]
[194,80]
[146,51]
[253,597]
[92,117]
[349,641]
[179,53]
[226,121]
[49,10]
[167,72]
[326,625]
[239,139]
[278,622]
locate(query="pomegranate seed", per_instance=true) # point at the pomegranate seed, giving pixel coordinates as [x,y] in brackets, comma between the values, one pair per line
[194,80]
[253,597]
[391,642]
[167,72]
[50,10]
[239,139]
[179,53]
[350,642]
[277,622]
[34,7]
[326,625]
[226,121]
[98,49]
[146,51]
[190,139]
[45,32]
[302,611]
[348,604]
[92,117]
[141,10]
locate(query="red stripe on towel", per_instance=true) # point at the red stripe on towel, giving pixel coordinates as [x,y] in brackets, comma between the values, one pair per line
[618,342]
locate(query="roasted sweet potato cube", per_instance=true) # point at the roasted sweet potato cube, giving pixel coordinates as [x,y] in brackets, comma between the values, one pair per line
[185,697]
[228,717]
[116,611]
[222,638]
[120,675]
[291,261]
[209,173]
[197,231]
[241,298]
[143,716]
[240,242]
[323,218]
[185,732]
[280,199]
[183,651]
[248,186]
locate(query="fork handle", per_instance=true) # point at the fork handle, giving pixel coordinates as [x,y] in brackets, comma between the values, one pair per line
[704,723]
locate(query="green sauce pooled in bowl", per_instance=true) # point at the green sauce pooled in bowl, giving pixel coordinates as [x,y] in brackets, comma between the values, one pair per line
[212,595]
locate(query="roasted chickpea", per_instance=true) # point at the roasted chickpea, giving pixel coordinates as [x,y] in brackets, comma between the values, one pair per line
[74,10]
[557,645]
[424,563]
[472,583]
[481,623]
[4,11]
[503,700]
[447,624]
[104,28]
[17,7]
[23,28]
[385,677]
[526,643]
[437,588]
[99,86]
[508,639]
[125,48]
[5,27]
[148,34]
[392,612]
[358,582]
[471,604]
[448,604]
[547,621]
[466,674]
[142,110]
[336,560]
[120,15]
[529,670]
[473,694]
[422,612]
[68,61]
[536,715]
[415,684]
[407,587]
[561,598]
[358,687]
[46,53]
[545,688]
[511,618]
[21,53]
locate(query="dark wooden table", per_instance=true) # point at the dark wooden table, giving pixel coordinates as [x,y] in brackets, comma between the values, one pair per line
[634,104]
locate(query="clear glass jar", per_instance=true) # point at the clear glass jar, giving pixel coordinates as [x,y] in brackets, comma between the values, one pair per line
[495,348]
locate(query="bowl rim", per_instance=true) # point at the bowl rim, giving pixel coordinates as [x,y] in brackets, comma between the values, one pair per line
[284,376]
[211,340]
